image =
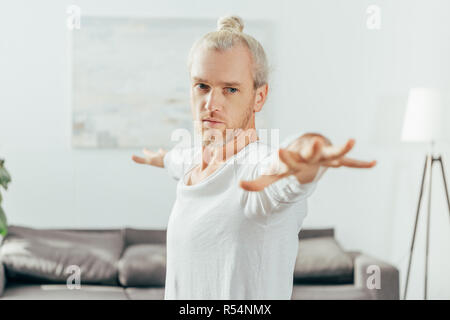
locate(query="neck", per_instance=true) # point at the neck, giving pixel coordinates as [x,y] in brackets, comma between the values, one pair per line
[216,154]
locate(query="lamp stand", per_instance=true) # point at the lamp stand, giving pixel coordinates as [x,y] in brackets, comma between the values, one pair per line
[429,161]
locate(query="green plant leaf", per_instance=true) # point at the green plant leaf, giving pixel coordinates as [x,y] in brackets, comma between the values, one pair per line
[5,178]
[3,223]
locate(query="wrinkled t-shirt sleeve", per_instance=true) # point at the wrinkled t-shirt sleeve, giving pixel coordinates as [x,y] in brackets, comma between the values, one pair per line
[280,194]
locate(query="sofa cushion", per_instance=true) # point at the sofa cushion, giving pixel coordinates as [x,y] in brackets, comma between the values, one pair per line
[148,293]
[330,292]
[143,265]
[20,291]
[45,255]
[322,260]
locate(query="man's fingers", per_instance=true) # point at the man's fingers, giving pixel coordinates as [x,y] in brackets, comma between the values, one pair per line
[151,158]
[332,152]
[348,162]
[149,153]
[314,152]
[353,163]
[139,159]
[290,158]
[331,163]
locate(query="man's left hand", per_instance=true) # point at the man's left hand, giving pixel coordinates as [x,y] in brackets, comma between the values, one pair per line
[303,158]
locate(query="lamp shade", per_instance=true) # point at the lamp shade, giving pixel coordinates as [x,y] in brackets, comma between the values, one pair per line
[425,117]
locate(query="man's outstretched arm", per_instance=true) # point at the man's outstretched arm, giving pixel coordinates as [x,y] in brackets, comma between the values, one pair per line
[303,159]
[151,158]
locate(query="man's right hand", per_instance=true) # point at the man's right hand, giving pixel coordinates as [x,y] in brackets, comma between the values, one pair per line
[151,158]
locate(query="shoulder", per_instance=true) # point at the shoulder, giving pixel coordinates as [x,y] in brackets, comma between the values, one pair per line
[254,153]
[179,159]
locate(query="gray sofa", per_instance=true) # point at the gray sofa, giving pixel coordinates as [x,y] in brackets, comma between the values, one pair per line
[129,263]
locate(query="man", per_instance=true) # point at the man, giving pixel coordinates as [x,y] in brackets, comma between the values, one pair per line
[233,230]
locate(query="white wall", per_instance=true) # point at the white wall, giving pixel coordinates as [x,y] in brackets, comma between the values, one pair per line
[332,75]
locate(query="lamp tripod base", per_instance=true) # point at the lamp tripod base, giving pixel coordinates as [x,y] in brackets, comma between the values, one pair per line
[429,162]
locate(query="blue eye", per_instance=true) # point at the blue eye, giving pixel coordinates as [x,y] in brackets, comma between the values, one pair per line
[202,86]
[232,90]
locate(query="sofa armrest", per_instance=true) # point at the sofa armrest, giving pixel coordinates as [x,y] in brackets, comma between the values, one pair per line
[366,266]
[2,278]
[353,254]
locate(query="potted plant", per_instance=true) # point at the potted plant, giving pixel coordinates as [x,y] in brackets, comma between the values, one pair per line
[5,178]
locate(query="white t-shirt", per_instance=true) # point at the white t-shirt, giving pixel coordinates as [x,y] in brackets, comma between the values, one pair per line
[226,243]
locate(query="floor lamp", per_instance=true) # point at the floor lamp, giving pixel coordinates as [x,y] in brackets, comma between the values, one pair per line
[425,122]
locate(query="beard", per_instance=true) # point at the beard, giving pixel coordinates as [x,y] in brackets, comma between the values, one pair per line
[213,137]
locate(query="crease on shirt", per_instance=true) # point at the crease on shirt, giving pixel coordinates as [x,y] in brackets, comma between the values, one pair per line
[260,265]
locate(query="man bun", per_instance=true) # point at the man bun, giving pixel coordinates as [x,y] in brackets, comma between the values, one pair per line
[230,23]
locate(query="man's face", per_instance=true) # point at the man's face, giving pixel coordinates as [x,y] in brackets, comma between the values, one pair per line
[222,91]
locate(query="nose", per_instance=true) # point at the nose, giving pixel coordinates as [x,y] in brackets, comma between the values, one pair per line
[214,101]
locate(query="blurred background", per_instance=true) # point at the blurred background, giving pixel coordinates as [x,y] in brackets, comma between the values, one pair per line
[334,71]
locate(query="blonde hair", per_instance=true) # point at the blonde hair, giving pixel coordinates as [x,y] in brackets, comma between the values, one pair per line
[228,34]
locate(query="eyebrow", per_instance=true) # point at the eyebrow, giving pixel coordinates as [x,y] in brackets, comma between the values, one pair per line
[229,84]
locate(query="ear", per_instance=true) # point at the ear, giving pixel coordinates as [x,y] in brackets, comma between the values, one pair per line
[260,97]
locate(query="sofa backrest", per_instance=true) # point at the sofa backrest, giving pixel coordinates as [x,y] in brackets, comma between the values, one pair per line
[133,235]
[316,233]
[136,235]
